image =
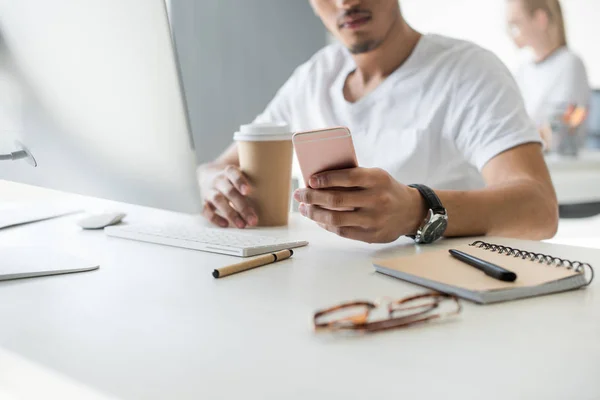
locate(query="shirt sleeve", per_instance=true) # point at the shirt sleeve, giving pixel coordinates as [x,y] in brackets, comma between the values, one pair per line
[488,110]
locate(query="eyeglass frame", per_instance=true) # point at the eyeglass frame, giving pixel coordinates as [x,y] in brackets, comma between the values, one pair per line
[360,323]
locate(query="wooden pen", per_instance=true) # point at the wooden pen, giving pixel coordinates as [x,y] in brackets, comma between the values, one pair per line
[253,263]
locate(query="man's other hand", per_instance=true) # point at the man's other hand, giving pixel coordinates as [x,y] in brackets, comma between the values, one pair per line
[225,201]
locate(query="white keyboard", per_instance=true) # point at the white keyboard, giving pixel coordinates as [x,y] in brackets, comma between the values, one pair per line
[222,241]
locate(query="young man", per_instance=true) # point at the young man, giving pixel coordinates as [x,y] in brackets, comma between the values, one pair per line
[423,109]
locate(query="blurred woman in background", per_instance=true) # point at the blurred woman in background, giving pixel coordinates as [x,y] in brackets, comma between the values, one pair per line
[554,76]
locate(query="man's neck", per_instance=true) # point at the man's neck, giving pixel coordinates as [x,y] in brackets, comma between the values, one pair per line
[544,51]
[389,56]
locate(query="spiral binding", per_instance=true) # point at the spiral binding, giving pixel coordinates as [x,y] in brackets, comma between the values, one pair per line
[558,262]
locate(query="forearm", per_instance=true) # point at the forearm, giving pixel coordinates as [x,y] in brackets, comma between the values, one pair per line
[520,208]
[518,201]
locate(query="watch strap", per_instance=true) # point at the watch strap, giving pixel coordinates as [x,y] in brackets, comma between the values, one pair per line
[433,201]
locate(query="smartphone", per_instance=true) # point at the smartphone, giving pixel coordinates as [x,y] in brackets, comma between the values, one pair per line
[324,150]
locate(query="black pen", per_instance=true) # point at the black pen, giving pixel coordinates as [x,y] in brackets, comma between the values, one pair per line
[493,270]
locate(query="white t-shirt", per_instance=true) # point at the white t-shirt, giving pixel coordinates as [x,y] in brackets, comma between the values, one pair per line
[436,120]
[559,80]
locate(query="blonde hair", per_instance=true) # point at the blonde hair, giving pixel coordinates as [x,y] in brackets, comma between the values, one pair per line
[553,9]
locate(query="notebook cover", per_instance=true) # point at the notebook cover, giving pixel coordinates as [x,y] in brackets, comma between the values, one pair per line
[441,267]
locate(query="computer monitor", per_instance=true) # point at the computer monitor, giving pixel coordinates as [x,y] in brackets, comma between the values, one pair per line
[92,90]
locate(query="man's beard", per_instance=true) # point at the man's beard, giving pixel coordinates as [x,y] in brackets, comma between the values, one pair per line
[364,47]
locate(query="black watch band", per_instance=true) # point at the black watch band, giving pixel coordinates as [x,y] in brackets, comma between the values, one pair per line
[433,202]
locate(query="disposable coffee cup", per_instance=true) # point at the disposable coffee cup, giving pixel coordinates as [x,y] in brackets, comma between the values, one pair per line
[266,153]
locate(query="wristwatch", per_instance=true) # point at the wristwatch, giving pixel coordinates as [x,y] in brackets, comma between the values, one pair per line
[436,222]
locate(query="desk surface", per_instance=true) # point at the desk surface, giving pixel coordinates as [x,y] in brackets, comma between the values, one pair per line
[152,323]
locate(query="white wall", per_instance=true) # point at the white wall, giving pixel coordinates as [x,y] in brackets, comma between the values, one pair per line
[483,22]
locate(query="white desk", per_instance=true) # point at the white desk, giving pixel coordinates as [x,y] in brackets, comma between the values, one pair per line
[152,323]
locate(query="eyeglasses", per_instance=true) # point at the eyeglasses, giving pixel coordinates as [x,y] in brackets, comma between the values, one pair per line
[354,316]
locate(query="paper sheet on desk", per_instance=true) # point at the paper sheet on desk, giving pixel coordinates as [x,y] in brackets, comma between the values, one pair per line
[29,262]
[13,214]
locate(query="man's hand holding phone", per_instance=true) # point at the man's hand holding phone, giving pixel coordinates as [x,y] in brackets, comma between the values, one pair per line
[383,208]
[364,204]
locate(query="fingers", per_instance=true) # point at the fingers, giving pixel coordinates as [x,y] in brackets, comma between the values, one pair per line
[334,198]
[334,218]
[353,232]
[224,208]
[226,202]
[238,180]
[348,232]
[210,214]
[349,178]
[239,202]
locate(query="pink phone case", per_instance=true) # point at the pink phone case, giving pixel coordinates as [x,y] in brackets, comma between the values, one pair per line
[324,150]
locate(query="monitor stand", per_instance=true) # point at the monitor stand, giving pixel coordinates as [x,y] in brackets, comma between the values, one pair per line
[22,153]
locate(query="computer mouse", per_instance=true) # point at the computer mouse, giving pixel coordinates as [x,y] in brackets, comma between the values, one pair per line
[100,221]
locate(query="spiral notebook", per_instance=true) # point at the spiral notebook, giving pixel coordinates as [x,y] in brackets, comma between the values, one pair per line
[537,274]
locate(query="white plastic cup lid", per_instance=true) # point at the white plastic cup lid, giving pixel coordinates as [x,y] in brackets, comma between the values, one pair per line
[265,132]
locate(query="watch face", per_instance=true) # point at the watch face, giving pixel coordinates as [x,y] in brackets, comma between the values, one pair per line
[435,230]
